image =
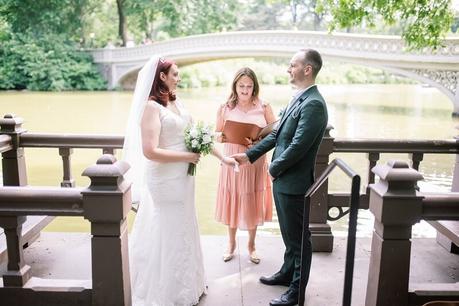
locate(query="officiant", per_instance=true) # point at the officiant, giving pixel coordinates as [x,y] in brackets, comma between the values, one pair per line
[244,198]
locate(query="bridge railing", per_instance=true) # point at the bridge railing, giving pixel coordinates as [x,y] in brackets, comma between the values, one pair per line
[397,206]
[106,204]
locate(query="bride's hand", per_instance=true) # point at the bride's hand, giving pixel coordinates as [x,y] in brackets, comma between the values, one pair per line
[193,158]
[229,161]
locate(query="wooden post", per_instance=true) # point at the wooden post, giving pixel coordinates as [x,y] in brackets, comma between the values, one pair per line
[67,179]
[13,161]
[18,273]
[107,202]
[455,185]
[321,234]
[396,206]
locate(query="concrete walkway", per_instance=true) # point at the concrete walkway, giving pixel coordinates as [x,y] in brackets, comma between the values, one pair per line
[67,256]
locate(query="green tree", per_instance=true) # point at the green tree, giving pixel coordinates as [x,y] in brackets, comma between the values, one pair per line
[262,15]
[46,63]
[44,17]
[424,23]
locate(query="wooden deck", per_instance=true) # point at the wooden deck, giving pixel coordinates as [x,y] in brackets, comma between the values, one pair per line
[67,256]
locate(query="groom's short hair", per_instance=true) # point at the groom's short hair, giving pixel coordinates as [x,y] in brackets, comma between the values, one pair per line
[313,58]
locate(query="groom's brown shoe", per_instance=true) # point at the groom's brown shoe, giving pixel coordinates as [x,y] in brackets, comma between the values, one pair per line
[276,279]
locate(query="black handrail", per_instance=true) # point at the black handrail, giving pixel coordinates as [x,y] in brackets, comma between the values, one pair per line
[354,207]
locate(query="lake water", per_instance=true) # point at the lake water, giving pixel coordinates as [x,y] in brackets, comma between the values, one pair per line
[355,111]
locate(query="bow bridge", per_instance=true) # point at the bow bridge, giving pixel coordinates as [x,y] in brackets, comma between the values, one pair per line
[439,69]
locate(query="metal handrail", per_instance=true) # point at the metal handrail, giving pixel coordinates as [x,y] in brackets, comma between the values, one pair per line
[353,212]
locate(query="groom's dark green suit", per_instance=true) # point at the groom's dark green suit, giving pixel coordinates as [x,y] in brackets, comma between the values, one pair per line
[296,141]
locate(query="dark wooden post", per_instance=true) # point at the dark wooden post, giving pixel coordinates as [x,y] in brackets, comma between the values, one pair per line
[67,179]
[107,202]
[321,235]
[396,206]
[13,162]
[455,185]
[443,239]
[18,273]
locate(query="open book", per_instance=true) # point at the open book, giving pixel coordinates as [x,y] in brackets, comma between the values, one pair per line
[237,132]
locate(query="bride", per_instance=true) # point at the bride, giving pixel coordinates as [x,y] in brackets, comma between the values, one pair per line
[166,262]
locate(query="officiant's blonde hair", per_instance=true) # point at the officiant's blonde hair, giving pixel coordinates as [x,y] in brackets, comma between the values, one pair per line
[246,71]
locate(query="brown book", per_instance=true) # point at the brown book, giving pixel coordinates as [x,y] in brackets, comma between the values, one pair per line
[237,132]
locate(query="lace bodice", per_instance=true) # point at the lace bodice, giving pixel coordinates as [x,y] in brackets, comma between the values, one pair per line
[171,137]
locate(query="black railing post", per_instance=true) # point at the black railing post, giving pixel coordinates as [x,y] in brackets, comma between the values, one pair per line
[354,204]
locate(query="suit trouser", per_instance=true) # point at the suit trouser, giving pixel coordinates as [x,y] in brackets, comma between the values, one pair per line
[290,210]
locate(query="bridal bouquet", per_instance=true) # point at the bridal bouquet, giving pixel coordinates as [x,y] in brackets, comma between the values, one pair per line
[199,138]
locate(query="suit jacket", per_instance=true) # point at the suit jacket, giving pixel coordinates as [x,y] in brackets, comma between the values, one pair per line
[296,141]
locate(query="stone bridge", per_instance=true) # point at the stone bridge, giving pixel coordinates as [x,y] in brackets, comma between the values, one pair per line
[439,69]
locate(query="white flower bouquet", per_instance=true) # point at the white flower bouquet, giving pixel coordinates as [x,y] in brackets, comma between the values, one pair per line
[199,138]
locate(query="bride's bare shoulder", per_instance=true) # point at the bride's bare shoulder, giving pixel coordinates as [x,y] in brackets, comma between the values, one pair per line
[151,111]
[152,106]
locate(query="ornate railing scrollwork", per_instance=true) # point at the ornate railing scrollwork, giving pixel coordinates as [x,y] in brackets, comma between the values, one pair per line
[341,213]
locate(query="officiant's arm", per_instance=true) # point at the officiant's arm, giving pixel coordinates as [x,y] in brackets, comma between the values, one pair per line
[150,128]
[269,114]
[220,123]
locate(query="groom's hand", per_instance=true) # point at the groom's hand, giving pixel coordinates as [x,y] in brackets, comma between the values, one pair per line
[241,158]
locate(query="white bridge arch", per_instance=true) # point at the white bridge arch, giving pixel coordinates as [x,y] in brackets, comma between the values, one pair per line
[439,69]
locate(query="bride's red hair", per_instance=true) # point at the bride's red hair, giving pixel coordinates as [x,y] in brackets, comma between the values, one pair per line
[159,91]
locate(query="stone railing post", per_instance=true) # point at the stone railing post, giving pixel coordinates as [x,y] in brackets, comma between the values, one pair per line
[13,161]
[18,273]
[396,205]
[107,202]
[321,235]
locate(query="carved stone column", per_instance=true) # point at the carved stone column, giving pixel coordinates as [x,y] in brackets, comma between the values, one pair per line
[18,273]
[107,202]
[396,205]
[321,235]
[13,162]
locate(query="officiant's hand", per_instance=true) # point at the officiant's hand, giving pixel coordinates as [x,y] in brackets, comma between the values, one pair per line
[241,158]
[220,137]
[250,142]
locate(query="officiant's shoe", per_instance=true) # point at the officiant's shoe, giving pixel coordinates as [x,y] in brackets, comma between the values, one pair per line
[228,256]
[276,279]
[288,298]
[254,258]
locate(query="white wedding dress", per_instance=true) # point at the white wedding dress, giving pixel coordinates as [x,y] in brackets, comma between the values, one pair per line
[166,262]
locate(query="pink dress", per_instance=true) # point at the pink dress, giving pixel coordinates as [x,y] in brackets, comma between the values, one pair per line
[244,198]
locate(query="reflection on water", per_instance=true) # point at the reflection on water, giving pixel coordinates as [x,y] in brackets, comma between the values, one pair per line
[355,111]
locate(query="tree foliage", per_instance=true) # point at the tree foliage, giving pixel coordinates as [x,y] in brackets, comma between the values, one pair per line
[45,17]
[424,22]
[48,63]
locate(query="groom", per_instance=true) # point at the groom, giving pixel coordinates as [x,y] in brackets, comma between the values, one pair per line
[296,142]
